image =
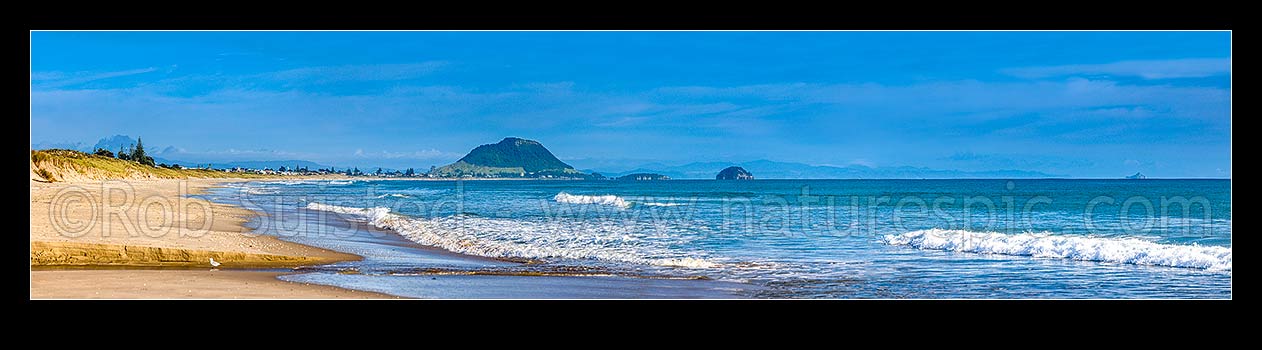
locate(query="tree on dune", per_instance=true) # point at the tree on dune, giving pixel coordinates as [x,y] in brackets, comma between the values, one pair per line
[139,156]
[123,153]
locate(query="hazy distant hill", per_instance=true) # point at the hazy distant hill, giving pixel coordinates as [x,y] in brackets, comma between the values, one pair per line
[113,143]
[516,157]
[252,164]
[766,169]
[511,157]
[643,177]
[274,164]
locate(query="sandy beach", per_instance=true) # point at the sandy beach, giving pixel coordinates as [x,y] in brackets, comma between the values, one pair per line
[138,224]
[179,284]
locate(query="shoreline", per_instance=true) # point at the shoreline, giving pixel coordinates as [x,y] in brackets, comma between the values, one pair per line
[399,266]
[80,242]
[257,266]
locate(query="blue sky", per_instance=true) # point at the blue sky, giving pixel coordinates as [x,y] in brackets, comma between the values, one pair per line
[1087,104]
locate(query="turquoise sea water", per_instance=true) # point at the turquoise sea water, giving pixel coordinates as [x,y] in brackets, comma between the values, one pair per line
[761,238]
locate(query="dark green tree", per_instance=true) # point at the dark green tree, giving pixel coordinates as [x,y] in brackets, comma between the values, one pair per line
[124,153]
[139,156]
[104,152]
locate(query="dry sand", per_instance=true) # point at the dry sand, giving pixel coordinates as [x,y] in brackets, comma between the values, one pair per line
[138,223]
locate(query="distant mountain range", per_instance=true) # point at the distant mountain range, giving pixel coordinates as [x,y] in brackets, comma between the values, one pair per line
[766,169]
[517,157]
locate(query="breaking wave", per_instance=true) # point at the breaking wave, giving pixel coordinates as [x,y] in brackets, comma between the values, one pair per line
[1043,245]
[608,199]
[508,238]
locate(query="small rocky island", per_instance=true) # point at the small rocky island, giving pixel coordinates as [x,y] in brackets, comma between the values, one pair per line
[734,173]
[643,177]
[1137,176]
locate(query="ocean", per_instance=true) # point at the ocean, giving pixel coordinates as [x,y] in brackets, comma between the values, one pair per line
[1028,238]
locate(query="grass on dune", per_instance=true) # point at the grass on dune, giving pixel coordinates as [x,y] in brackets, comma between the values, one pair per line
[58,164]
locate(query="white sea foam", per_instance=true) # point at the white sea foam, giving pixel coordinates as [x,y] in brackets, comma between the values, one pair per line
[496,237]
[289,182]
[423,191]
[394,195]
[256,190]
[368,214]
[310,182]
[685,262]
[1044,245]
[602,200]
[655,204]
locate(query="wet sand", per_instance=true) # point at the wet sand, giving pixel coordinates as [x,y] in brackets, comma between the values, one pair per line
[178,284]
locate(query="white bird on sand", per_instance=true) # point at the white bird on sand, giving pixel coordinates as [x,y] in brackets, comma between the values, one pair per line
[213,263]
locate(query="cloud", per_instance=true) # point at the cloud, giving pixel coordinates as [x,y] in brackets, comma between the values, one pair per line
[242,53]
[367,72]
[975,160]
[1101,109]
[808,122]
[554,87]
[62,145]
[1149,69]
[624,121]
[958,95]
[966,156]
[967,108]
[253,153]
[309,78]
[44,76]
[428,154]
[46,80]
[862,162]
